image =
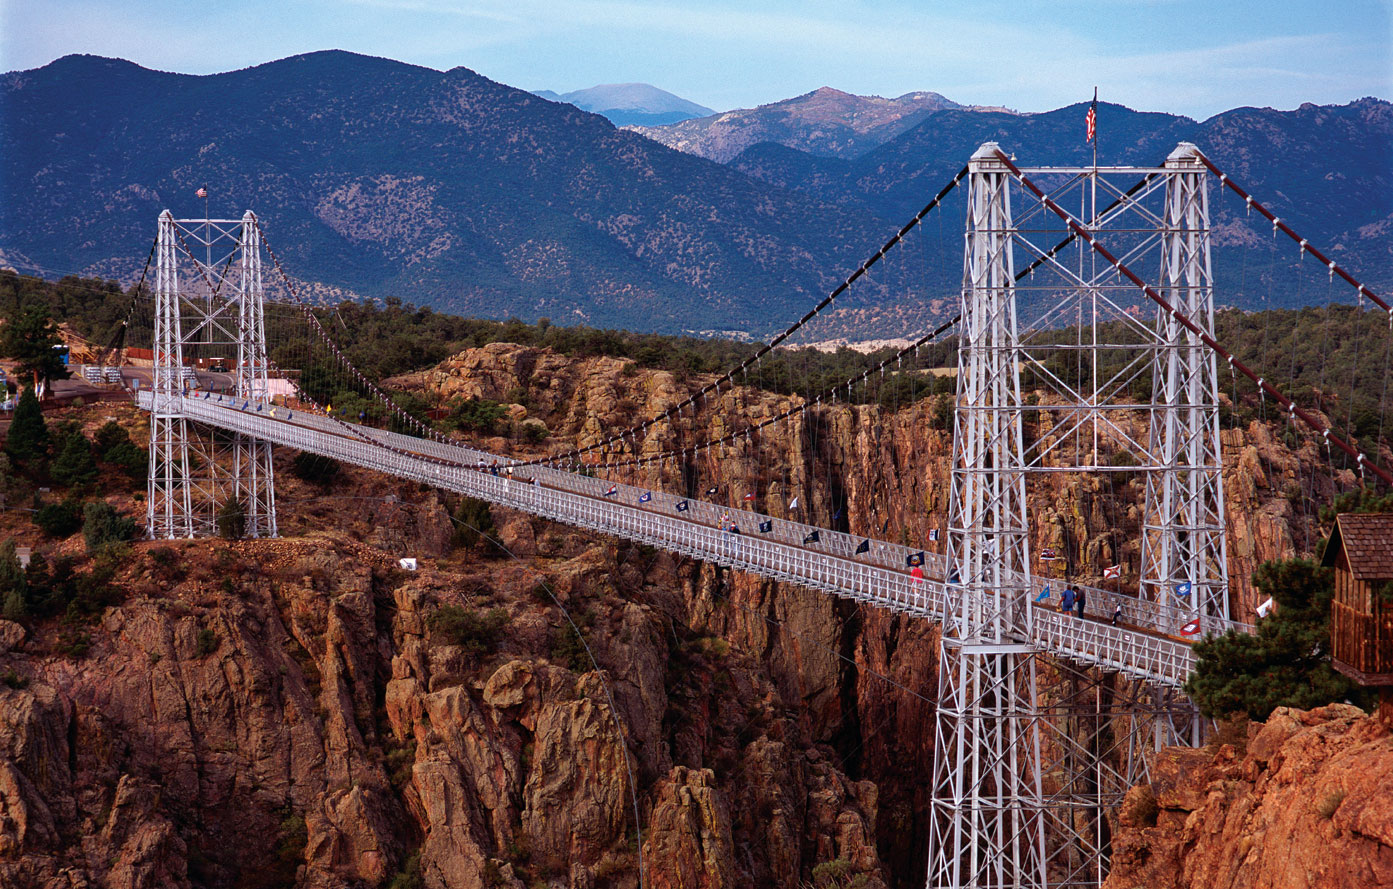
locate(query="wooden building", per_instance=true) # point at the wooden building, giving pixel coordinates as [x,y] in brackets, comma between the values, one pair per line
[1361,619]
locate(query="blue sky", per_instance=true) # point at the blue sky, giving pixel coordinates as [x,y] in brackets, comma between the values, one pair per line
[1194,57]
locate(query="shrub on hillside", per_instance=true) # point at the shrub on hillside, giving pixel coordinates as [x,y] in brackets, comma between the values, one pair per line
[475,631]
[102,525]
[59,519]
[314,468]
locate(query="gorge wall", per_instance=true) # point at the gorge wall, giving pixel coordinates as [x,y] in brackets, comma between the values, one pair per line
[268,713]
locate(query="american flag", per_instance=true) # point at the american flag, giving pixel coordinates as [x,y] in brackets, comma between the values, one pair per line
[202,192]
[1092,118]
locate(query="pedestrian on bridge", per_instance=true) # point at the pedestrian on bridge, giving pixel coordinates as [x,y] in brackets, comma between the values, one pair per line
[1066,600]
[1080,599]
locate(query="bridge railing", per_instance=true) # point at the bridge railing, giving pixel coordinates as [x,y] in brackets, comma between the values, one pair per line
[581,501]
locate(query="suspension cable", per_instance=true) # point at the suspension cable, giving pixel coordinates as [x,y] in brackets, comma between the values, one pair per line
[1325,430]
[729,376]
[1306,246]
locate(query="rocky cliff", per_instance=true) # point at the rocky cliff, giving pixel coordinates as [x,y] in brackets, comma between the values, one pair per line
[304,712]
[1302,801]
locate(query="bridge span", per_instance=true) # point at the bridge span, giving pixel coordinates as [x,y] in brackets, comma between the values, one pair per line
[1139,646]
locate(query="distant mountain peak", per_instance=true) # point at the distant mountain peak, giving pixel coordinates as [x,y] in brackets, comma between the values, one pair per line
[631,103]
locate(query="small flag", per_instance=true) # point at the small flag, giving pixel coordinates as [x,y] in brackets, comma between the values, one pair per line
[682,505]
[1044,594]
[750,496]
[933,535]
[202,192]
[1091,120]
[1191,628]
[812,537]
[1113,571]
[613,489]
[712,491]
[914,560]
[766,526]
[245,405]
[645,497]
[1183,590]
[1266,607]
[1047,553]
[793,504]
[838,514]
[863,547]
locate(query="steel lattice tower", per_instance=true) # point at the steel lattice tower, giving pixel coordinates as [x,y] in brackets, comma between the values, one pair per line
[1183,547]
[1033,754]
[216,305]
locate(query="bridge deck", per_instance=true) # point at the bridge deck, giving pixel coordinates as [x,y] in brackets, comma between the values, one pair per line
[878,577]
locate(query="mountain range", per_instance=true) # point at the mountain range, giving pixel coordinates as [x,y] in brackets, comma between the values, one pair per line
[631,103]
[449,190]
[825,122]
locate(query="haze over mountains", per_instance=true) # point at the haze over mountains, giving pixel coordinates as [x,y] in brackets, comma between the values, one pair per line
[631,103]
[377,178]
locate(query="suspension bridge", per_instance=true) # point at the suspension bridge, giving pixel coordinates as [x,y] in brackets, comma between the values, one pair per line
[1044,718]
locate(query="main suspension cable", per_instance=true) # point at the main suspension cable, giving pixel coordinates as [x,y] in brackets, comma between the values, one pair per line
[1325,430]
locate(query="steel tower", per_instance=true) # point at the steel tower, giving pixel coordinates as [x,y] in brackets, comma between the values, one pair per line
[209,305]
[1033,754]
[1184,555]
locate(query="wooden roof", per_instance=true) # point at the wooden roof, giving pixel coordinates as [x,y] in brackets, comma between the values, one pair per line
[1367,539]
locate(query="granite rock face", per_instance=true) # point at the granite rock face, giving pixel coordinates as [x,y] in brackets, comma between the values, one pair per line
[1308,803]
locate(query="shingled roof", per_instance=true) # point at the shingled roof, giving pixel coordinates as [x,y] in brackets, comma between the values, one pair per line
[1367,539]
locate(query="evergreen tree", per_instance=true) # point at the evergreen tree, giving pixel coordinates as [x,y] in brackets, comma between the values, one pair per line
[1287,662]
[101,525]
[28,438]
[12,585]
[29,337]
[74,465]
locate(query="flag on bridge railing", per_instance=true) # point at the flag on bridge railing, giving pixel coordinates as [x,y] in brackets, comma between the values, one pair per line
[751,496]
[1091,120]
[793,504]
[1113,571]
[613,489]
[914,560]
[812,537]
[682,505]
[1183,590]
[1265,608]
[766,526]
[1044,594]
[202,192]
[713,491]
[1191,628]
[645,497]
[933,535]
[863,547]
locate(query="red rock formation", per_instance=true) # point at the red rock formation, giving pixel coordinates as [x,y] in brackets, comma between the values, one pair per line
[1307,805]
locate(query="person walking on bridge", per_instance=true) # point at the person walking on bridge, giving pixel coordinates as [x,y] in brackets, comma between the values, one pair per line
[1066,599]
[1080,599]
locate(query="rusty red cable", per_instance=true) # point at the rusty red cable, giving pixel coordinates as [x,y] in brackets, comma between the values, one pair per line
[1326,432]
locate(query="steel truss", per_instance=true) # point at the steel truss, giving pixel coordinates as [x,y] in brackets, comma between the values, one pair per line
[1032,755]
[214,309]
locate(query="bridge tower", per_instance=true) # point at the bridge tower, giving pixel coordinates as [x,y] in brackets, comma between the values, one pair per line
[1184,554]
[207,306]
[1033,753]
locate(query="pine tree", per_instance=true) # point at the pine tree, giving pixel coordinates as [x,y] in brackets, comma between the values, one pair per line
[74,465]
[29,337]
[12,585]
[28,438]
[1287,662]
